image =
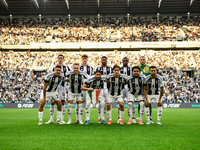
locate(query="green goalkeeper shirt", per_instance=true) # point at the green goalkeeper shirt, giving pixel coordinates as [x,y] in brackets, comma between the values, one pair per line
[145,69]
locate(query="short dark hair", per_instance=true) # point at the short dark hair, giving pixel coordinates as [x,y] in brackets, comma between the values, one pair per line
[84,55]
[76,64]
[98,71]
[60,55]
[116,66]
[152,67]
[136,67]
[104,57]
[58,66]
[125,58]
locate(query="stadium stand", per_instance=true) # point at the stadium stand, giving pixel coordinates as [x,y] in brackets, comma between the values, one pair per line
[22,73]
[26,31]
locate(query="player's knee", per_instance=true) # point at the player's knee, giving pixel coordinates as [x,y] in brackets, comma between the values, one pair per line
[42,103]
[130,104]
[63,102]
[70,102]
[159,104]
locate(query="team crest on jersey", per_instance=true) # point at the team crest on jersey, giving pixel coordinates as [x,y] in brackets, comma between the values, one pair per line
[94,81]
[72,76]
[53,78]
[133,79]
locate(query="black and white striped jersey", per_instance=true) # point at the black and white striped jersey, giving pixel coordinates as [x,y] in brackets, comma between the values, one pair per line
[115,85]
[76,81]
[53,81]
[64,70]
[95,84]
[126,70]
[88,69]
[135,85]
[105,70]
[153,85]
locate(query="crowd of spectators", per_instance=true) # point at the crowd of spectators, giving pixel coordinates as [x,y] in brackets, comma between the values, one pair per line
[26,31]
[18,83]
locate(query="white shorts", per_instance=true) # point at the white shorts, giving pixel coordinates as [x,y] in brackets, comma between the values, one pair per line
[132,98]
[105,93]
[62,92]
[54,95]
[72,96]
[151,97]
[110,98]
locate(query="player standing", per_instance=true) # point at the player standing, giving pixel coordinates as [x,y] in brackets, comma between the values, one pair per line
[105,70]
[76,80]
[115,85]
[90,71]
[51,82]
[153,84]
[61,91]
[135,86]
[145,71]
[126,71]
[96,83]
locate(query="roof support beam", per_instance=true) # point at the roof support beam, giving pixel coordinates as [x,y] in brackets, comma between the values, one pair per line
[37,5]
[128,5]
[5,4]
[67,3]
[159,3]
[98,5]
[191,5]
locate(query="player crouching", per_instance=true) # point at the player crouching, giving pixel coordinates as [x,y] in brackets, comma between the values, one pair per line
[135,86]
[115,84]
[51,82]
[94,84]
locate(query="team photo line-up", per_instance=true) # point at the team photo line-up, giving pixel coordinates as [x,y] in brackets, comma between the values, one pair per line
[107,84]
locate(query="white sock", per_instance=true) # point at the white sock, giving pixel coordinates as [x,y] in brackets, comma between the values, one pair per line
[133,112]
[159,113]
[146,109]
[76,110]
[121,115]
[118,111]
[102,103]
[141,109]
[69,109]
[99,111]
[130,112]
[87,110]
[40,115]
[58,115]
[109,115]
[63,113]
[52,110]
[80,112]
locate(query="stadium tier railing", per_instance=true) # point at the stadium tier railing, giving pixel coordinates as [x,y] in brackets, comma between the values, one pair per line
[103,45]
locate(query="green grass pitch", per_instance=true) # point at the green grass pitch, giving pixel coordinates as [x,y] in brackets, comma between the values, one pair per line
[180,129]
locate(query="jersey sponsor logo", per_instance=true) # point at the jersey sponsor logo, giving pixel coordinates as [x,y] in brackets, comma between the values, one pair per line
[25,105]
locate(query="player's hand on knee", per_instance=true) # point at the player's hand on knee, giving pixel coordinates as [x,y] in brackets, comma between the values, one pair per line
[147,103]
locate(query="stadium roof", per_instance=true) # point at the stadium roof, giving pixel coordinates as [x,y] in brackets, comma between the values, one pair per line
[93,7]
